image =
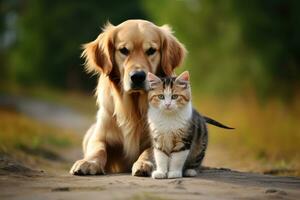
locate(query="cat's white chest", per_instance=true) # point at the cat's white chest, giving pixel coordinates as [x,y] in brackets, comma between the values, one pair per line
[162,123]
[165,124]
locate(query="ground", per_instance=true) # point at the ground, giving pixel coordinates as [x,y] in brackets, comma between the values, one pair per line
[210,184]
[50,179]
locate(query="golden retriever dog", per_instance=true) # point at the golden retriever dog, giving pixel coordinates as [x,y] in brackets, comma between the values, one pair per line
[122,56]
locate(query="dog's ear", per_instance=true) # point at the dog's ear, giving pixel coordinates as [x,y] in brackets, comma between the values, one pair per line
[98,54]
[172,51]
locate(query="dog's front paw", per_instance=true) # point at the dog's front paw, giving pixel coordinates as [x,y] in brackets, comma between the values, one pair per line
[174,174]
[142,168]
[86,167]
[158,175]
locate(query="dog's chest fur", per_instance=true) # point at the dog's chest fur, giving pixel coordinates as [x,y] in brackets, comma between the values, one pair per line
[131,117]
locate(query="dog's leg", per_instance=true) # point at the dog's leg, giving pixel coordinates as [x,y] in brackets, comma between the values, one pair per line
[144,164]
[95,155]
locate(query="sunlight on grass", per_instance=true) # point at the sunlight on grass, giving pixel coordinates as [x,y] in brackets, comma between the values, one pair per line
[22,137]
[266,138]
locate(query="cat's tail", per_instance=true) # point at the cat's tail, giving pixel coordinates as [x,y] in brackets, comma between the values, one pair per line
[215,123]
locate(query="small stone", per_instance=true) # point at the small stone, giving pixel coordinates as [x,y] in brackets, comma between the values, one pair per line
[224,169]
[177,182]
[283,193]
[271,190]
[61,189]
[180,187]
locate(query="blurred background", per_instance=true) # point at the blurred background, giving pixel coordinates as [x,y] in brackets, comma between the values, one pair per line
[244,60]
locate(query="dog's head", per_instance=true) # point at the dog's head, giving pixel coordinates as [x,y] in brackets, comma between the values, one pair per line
[127,52]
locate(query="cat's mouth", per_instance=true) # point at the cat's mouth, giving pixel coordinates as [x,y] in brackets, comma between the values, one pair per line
[168,109]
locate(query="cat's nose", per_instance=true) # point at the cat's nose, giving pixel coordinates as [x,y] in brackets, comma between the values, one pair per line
[137,76]
[168,105]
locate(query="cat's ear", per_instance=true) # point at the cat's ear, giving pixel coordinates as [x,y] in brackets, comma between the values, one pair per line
[183,77]
[183,80]
[153,80]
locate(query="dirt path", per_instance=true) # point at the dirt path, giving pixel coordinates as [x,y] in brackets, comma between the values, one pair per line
[211,184]
[48,112]
[19,182]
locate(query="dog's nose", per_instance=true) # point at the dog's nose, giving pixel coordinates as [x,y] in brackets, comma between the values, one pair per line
[138,76]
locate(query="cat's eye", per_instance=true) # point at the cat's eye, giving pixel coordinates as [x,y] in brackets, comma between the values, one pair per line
[174,96]
[150,51]
[161,96]
[124,51]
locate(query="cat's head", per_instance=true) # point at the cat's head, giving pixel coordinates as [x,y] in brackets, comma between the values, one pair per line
[169,94]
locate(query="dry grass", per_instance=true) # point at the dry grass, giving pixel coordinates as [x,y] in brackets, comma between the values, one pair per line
[30,141]
[266,138]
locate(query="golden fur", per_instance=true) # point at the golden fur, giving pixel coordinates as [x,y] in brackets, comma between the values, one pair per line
[120,135]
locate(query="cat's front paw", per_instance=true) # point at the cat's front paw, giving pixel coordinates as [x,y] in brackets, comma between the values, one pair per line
[158,175]
[190,173]
[174,174]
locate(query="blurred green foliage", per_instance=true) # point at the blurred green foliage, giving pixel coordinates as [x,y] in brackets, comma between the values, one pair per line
[50,33]
[237,45]
[233,45]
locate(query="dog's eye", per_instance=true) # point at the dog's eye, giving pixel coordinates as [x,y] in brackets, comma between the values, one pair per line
[161,96]
[174,96]
[150,51]
[124,51]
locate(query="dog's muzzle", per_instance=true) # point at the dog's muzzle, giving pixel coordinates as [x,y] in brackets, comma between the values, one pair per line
[138,79]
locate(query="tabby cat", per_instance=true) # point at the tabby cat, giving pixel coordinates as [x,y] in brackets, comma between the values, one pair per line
[178,131]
